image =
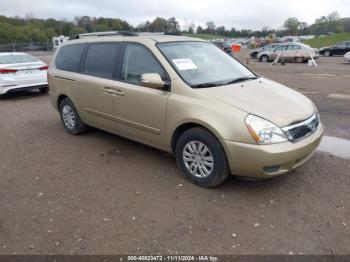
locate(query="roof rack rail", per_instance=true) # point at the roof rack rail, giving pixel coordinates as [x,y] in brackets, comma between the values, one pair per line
[99,34]
[121,33]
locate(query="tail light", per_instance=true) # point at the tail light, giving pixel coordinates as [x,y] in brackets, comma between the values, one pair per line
[7,71]
[44,68]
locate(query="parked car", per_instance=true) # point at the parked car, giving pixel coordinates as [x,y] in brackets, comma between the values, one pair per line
[268,47]
[338,49]
[347,57]
[223,45]
[19,71]
[290,52]
[184,96]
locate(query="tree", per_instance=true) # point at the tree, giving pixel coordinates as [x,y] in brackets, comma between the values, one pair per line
[210,27]
[173,25]
[292,25]
[221,30]
[334,22]
[199,30]
[77,31]
[159,25]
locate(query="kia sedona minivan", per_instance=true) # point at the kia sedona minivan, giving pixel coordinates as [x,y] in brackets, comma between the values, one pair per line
[187,97]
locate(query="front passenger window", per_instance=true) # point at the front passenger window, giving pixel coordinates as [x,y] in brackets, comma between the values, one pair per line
[137,61]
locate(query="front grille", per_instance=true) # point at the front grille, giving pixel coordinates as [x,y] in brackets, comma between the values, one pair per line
[302,129]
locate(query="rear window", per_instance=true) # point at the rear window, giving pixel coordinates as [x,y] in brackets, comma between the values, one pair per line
[68,58]
[14,59]
[101,59]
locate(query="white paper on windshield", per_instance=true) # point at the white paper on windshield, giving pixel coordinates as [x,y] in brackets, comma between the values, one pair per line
[184,64]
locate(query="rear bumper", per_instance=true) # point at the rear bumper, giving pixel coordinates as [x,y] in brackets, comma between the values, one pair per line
[264,161]
[13,89]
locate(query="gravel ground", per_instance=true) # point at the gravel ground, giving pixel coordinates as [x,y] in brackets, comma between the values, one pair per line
[102,194]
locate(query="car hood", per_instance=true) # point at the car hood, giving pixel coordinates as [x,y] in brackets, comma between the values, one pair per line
[265,98]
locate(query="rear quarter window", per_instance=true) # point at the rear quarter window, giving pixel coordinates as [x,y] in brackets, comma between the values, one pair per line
[68,57]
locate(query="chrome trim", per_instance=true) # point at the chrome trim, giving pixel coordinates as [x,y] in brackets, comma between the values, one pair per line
[299,124]
[307,123]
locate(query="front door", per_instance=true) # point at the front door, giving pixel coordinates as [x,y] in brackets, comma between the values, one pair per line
[141,111]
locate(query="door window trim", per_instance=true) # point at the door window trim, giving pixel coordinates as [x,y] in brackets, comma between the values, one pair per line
[120,66]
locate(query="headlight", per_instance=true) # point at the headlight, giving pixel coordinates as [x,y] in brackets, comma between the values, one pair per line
[263,131]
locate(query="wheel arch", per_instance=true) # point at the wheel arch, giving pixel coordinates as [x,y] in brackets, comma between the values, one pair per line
[60,99]
[189,125]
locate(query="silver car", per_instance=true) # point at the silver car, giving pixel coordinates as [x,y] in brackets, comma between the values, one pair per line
[347,57]
[289,52]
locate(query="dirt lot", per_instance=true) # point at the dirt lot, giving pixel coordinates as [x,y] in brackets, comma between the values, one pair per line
[102,194]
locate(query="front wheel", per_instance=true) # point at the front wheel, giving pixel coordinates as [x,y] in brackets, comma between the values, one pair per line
[265,59]
[327,53]
[201,158]
[70,118]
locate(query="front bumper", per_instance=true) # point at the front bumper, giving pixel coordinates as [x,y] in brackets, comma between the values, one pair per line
[264,161]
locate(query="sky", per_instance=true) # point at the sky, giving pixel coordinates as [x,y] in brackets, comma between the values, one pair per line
[241,14]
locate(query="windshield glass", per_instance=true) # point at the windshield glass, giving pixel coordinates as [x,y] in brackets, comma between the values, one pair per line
[14,59]
[202,64]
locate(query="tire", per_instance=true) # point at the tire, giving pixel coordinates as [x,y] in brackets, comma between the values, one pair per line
[299,59]
[70,118]
[327,53]
[265,59]
[206,165]
[44,90]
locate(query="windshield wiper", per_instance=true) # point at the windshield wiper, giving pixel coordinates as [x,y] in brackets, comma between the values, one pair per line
[241,79]
[204,85]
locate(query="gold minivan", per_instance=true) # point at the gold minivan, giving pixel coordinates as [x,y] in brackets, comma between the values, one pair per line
[184,96]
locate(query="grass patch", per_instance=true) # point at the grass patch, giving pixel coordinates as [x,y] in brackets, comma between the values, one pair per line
[327,40]
[204,36]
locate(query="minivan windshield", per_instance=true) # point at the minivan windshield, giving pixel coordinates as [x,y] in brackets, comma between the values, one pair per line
[202,64]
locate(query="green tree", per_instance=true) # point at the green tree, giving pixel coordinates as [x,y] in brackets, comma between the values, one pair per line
[292,25]
[77,31]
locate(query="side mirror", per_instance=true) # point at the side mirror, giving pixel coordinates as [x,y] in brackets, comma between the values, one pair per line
[152,80]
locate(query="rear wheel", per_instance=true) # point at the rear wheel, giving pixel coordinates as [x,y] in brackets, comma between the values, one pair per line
[265,59]
[70,118]
[201,158]
[299,59]
[327,53]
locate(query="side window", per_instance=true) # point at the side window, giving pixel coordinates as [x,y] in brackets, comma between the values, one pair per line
[341,45]
[101,59]
[294,47]
[68,58]
[281,48]
[138,60]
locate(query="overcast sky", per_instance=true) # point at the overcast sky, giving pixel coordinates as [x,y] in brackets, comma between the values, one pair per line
[249,14]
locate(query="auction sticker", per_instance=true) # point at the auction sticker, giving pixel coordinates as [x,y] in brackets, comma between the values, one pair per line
[184,64]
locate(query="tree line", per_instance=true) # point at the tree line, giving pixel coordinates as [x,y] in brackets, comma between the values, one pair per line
[32,29]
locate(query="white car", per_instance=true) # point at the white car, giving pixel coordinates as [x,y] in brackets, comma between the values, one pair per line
[347,57]
[19,71]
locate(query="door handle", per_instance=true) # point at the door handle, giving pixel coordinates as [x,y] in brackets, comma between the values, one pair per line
[111,90]
[119,92]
